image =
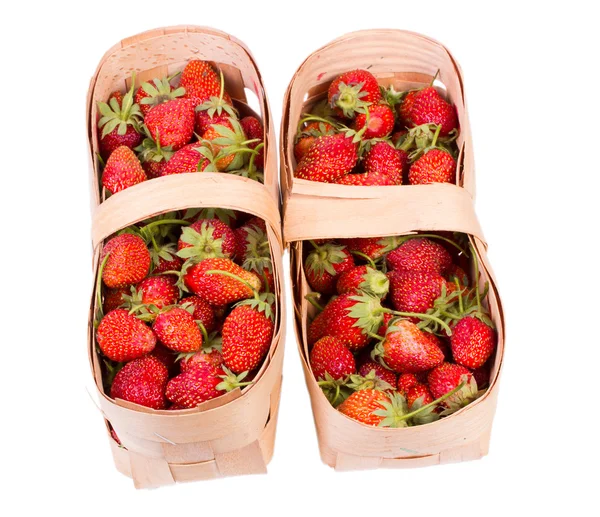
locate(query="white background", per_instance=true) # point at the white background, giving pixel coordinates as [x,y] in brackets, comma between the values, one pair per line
[531,76]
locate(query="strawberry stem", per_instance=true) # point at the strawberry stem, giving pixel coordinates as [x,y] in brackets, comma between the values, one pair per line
[167,221]
[312,299]
[376,336]
[432,404]
[365,257]
[435,136]
[435,77]
[422,316]
[460,300]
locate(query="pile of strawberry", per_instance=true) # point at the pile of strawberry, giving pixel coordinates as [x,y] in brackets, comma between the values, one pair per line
[405,337]
[159,129]
[365,134]
[185,308]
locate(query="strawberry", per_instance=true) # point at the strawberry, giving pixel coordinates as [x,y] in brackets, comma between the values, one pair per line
[329,158]
[372,247]
[244,242]
[201,311]
[122,170]
[362,278]
[128,260]
[434,166]
[227,142]
[113,298]
[187,159]
[415,291]
[159,291]
[446,377]
[387,318]
[323,265]
[118,96]
[247,334]
[385,159]
[353,91]
[119,124]
[164,259]
[171,123]
[420,254]
[254,129]
[456,272]
[380,372]
[482,375]
[177,330]
[195,385]
[405,382]
[165,356]
[206,238]
[204,121]
[416,392]
[153,169]
[114,436]
[367,179]
[362,404]
[330,356]
[218,289]
[123,337]
[153,93]
[200,80]
[405,107]
[142,381]
[307,136]
[429,107]
[472,342]
[380,121]
[406,349]
[215,108]
[211,356]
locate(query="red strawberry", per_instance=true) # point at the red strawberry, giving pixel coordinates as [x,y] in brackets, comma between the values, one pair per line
[435,166]
[200,80]
[456,272]
[153,93]
[362,278]
[253,128]
[114,436]
[165,356]
[113,298]
[186,159]
[415,291]
[153,169]
[172,123]
[472,342]
[128,262]
[206,238]
[373,247]
[204,121]
[482,376]
[165,259]
[380,124]
[244,239]
[119,123]
[329,158]
[416,392]
[324,264]
[405,107]
[213,358]
[405,382]
[195,385]
[158,290]
[142,381]
[353,91]
[420,254]
[445,378]
[366,179]
[247,334]
[123,337]
[219,289]
[177,330]
[387,318]
[122,170]
[361,406]
[406,349]
[307,136]
[330,356]
[387,160]
[380,371]
[202,312]
[429,107]
[118,96]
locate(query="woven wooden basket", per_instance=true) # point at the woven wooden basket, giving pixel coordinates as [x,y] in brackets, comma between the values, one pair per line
[233,434]
[324,211]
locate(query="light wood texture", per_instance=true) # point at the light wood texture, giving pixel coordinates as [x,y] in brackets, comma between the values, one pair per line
[233,434]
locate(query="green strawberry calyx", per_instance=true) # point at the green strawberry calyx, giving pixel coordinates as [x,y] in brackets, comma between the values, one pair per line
[202,244]
[151,150]
[368,382]
[232,381]
[115,116]
[375,282]
[160,92]
[217,104]
[323,258]
[349,98]
[335,390]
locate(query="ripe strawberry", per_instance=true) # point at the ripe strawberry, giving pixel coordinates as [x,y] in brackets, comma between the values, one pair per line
[114,436]
[405,382]
[119,124]
[157,290]
[200,80]
[153,93]
[206,238]
[142,381]
[253,128]
[416,392]
[329,158]
[123,337]
[387,318]
[372,247]
[202,311]
[405,107]
[363,278]
[429,107]
[380,372]
[406,349]
[204,121]
[219,289]
[195,385]
[445,378]
[172,123]
[330,356]
[482,376]
[387,160]
[414,291]
[380,124]
[128,260]
[353,91]
[186,159]
[247,334]
[362,404]
[420,254]
[113,298]
[118,96]
[456,272]
[213,358]
[177,330]
[122,170]
[245,243]
[307,136]
[165,259]
[366,179]
[165,356]
[153,169]
[472,341]
[227,142]
[323,265]
[435,166]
